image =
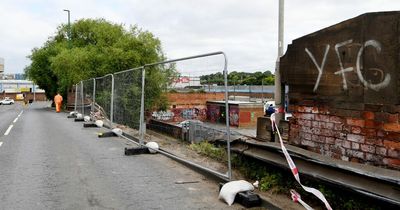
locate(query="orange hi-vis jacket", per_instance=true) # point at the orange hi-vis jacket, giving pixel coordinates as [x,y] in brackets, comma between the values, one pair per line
[58,99]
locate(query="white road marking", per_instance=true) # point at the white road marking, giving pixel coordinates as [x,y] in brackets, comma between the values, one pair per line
[8,130]
[20,113]
[15,120]
[1,143]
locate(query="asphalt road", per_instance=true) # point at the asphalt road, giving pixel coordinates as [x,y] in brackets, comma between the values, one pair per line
[50,162]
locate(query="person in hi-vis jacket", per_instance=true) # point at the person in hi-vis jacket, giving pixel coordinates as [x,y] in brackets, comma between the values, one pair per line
[58,101]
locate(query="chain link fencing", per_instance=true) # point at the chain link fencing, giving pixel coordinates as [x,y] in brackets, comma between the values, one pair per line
[87,96]
[78,98]
[127,98]
[103,99]
[188,100]
[164,97]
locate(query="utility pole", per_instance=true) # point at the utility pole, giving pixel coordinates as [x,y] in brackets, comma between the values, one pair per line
[69,28]
[278,85]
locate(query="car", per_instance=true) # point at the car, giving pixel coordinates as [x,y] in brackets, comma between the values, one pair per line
[7,101]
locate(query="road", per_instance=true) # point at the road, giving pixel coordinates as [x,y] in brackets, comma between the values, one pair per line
[50,162]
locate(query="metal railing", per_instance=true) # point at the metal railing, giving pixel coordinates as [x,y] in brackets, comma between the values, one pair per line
[119,98]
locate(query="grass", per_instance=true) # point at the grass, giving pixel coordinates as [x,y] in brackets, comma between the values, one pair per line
[209,150]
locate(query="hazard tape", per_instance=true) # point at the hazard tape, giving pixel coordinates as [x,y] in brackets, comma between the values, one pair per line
[296,198]
[295,172]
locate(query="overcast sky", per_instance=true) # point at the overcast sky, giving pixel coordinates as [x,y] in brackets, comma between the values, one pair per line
[245,30]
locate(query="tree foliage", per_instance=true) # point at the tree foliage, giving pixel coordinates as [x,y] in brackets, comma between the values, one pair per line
[240,78]
[97,47]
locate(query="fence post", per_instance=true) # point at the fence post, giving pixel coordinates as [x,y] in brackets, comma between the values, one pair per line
[82,100]
[94,95]
[141,125]
[227,118]
[76,95]
[34,92]
[112,101]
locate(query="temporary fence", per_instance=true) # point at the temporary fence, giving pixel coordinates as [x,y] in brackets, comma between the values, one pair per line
[103,97]
[127,98]
[87,96]
[78,97]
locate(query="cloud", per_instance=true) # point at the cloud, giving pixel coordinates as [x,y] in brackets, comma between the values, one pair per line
[245,30]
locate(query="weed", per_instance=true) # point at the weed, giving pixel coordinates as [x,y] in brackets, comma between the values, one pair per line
[209,150]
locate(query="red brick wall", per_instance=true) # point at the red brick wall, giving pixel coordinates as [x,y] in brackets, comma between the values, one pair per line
[248,117]
[370,136]
[189,100]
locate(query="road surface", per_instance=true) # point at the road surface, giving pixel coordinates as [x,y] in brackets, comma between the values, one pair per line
[50,162]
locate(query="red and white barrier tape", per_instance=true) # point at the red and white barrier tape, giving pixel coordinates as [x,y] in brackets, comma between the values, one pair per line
[296,198]
[293,168]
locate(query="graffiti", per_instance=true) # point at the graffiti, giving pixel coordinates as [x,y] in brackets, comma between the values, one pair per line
[382,80]
[234,116]
[213,113]
[367,84]
[181,114]
[319,68]
[342,70]
[188,113]
[163,115]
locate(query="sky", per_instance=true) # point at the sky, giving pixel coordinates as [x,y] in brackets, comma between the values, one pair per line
[247,31]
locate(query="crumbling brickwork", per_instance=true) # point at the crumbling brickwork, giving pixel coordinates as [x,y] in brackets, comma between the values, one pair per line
[369,136]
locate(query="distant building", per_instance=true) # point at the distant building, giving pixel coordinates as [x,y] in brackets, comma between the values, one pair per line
[18,86]
[17,76]
[185,82]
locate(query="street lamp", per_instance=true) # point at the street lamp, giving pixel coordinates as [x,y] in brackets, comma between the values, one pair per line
[69,28]
[278,85]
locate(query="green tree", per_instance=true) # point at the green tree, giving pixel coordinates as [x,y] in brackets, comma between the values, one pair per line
[240,78]
[99,47]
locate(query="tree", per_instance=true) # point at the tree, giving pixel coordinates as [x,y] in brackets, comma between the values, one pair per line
[240,78]
[98,47]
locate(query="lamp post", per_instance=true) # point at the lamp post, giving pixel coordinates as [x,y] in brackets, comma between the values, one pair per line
[69,27]
[278,85]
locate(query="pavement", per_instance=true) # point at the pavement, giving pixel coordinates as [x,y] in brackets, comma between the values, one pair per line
[50,162]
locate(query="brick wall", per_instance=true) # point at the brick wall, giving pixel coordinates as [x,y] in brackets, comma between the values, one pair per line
[189,100]
[344,90]
[248,117]
[370,136]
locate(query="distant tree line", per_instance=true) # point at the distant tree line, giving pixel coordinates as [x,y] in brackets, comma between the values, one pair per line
[239,78]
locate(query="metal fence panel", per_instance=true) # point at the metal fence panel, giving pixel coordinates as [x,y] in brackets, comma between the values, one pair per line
[87,95]
[127,97]
[78,97]
[193,106]
[103,95]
